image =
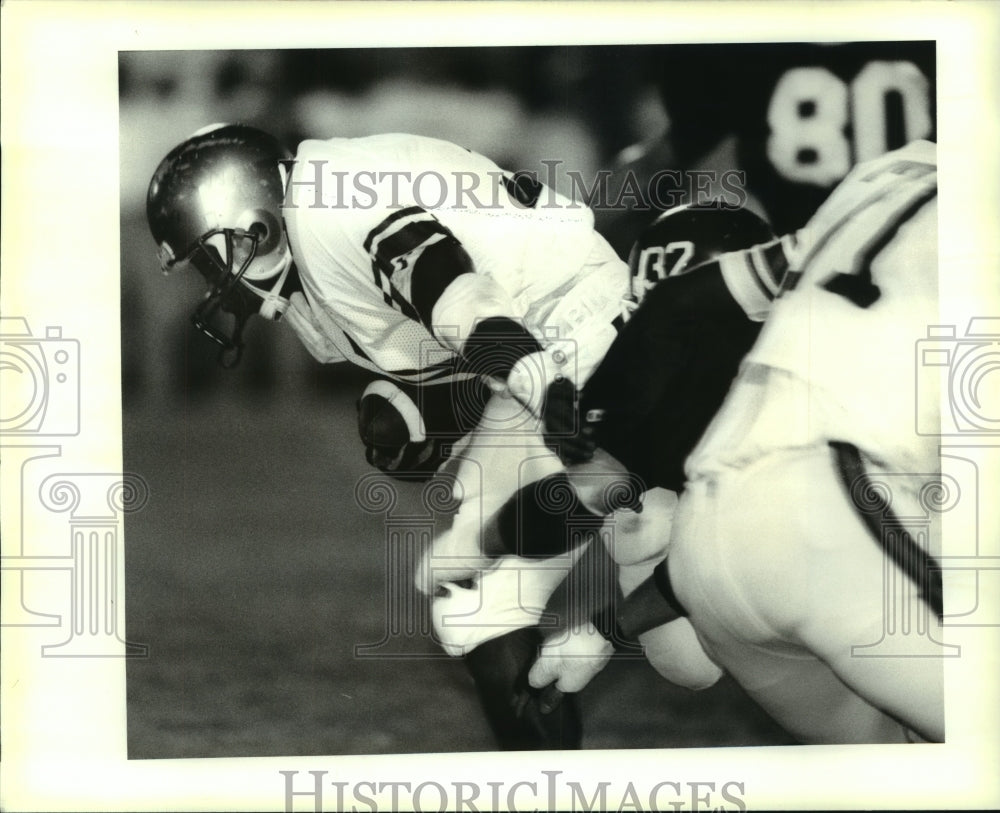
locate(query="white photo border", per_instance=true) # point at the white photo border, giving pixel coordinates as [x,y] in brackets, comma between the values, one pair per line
[64,744]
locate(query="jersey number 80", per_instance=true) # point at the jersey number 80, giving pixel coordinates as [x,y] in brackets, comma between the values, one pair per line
[887,105]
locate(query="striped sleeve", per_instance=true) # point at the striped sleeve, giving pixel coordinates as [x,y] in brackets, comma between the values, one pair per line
[754,276]
[395,246]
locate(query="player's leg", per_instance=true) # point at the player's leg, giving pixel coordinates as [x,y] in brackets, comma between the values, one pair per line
[410,431]
[883,649]
[799,691]
[639,544]
[790,683]
[782,581]
[493,463]
[522,718]
[569,598]
[579,633]
[494,625]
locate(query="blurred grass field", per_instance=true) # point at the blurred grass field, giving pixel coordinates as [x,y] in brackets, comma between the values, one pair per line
[252,573]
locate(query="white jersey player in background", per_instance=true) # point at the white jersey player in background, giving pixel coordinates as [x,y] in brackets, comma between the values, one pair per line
[424,262]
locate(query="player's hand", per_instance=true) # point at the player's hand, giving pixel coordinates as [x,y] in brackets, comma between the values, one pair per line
[570,660]
[548,699]
[562,429]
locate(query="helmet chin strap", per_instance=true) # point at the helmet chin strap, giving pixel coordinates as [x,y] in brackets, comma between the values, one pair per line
[273,305]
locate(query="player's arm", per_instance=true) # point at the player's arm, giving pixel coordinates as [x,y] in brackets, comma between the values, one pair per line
[425,270]
[682,346]
[753,277]
[668,352]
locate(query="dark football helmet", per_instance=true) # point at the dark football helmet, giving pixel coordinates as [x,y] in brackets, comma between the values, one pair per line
[685,237]
[214,202]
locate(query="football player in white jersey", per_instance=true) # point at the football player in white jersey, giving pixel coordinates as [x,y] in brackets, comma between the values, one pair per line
[826,398]
[427,263]
[805,530]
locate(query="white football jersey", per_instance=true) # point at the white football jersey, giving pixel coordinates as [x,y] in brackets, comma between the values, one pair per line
[836,357]
[359,213]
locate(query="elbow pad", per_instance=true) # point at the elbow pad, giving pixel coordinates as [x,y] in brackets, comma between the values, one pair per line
[496,344]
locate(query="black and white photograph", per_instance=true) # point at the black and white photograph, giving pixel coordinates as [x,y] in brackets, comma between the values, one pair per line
[293,464]
[502,420]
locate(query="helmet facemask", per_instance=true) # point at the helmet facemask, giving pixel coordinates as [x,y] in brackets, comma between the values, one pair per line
[232,297]
[225,295]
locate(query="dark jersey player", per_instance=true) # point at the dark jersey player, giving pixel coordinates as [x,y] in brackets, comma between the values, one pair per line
[772,126]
